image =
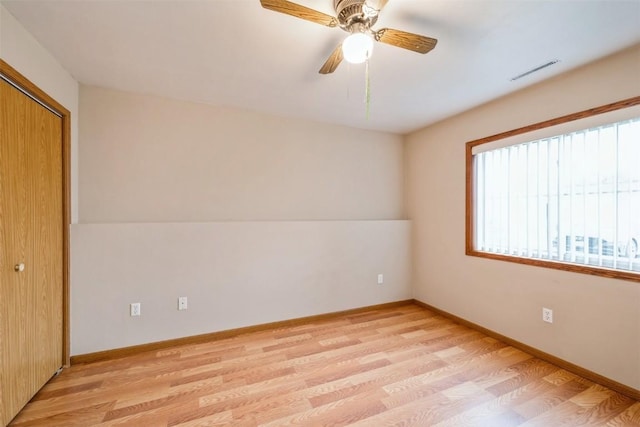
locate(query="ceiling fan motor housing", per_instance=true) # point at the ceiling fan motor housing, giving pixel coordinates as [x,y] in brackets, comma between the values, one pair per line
[350,12]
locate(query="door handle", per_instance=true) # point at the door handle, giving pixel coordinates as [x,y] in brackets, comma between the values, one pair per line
[19,267]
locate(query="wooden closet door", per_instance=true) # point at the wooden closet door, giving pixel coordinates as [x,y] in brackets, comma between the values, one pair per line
[31,297]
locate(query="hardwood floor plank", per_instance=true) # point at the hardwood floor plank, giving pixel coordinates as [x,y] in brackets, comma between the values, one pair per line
[352,389]
[629,417]
[220,419]
[400,365]
[157,417]
[499,411]
[550,399]
[90,415]
[346,371]
[605,409]
[63,391]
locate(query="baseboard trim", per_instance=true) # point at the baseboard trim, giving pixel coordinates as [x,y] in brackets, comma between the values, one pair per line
[568,366]
[118,353]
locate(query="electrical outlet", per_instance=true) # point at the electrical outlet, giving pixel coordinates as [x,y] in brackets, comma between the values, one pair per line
[547,315]
[135,309]
[182,303]
[380,279]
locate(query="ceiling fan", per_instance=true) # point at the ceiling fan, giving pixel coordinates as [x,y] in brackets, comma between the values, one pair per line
[355,17]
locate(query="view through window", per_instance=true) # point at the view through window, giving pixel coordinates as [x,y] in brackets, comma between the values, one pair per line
[571,198]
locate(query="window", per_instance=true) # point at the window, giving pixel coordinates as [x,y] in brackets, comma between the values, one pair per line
[563,193]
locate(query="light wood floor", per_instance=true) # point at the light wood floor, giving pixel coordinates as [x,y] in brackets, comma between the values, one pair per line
[403,366]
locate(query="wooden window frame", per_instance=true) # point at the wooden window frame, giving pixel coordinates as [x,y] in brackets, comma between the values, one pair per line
[470,201]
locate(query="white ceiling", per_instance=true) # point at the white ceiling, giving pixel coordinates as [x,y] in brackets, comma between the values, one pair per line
[235,53]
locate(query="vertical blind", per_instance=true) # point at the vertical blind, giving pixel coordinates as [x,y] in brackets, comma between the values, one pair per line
[570,198]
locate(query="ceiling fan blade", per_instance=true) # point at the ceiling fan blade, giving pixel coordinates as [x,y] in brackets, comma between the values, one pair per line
[333,61]
[410,41]
[299,11]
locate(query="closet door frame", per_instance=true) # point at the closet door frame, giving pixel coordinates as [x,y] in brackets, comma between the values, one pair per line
[35,92]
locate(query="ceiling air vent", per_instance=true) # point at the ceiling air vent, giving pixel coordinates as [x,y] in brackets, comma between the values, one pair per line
[533,70]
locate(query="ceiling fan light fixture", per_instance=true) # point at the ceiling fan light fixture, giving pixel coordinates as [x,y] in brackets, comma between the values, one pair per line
[356,17]
[357,48]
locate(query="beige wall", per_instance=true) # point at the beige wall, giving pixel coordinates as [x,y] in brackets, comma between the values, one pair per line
[234,273]
[254,218]
[150,159]
[596,320]
[21,50]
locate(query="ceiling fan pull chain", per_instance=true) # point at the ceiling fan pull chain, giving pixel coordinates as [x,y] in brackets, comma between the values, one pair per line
[367,90]
[348,82]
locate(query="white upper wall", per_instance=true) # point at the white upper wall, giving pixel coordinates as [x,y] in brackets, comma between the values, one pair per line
[150,159]
[596,320]
[22,51]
